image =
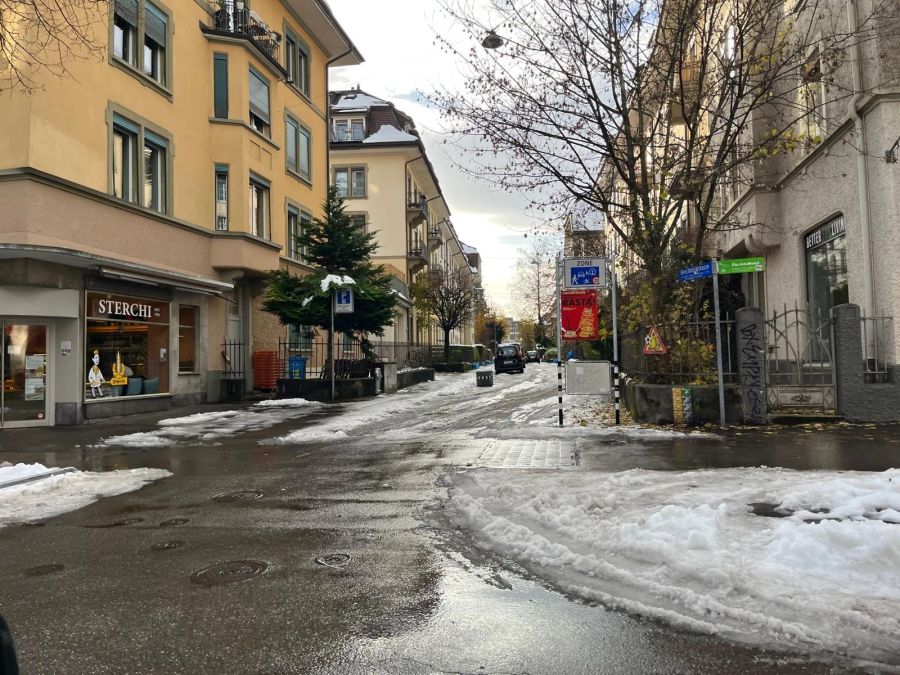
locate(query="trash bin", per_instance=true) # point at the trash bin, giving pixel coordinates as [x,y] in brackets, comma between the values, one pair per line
[296,367]
[484,378]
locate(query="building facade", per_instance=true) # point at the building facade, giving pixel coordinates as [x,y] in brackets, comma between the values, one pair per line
[380,167]
[147,195]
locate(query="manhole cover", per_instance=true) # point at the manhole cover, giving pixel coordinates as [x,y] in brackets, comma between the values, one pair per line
[173,521]
[44,570]
[335,560]
[239,496]
[167,545]
[119,523]
[229,572]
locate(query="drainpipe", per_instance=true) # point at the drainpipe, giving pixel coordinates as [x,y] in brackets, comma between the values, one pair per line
[861,161]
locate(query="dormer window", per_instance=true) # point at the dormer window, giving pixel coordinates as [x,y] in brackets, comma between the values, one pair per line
[348,130]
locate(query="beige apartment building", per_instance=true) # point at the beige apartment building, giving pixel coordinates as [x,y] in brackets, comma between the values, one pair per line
[381,168]
[146,195]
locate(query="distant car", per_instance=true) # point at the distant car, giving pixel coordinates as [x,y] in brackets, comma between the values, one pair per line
[510,358]
[532,357]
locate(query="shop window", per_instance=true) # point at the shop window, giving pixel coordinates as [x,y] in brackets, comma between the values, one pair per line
[127,346]
[259,209]
[259,104]
[221,198]
[826,268]
[187,339]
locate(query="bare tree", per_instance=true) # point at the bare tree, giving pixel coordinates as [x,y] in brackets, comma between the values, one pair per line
[46,36]
[446,296]
[652,112]
[534,284]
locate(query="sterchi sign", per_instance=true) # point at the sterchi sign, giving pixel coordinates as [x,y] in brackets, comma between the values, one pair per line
[579,315]
[124,308]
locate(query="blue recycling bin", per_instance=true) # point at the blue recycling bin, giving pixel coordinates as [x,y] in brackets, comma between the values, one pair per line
[297,367]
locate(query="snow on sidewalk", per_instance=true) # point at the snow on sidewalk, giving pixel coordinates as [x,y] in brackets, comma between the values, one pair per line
[687,549]
[210,426]
[64,492]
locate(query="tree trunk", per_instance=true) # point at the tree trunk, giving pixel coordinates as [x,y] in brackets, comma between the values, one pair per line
[446,346]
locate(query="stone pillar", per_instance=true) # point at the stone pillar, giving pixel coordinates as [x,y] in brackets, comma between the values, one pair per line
[751,344]
[389,369]
[848,361]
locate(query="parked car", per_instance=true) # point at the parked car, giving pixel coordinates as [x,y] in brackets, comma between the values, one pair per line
[550,356]
[510,358]
[531,356]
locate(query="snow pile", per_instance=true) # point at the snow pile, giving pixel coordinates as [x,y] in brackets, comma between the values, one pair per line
[205,427]
[335,280]
[64,492]
[10,472]
[687,549]
[390,134]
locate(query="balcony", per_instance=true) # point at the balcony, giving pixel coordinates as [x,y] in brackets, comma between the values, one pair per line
[416,258]
[416,208]
[435,236]
[234,18]
[685,90]
[343,135]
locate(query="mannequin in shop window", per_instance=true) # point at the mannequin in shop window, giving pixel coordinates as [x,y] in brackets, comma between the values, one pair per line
[95,376]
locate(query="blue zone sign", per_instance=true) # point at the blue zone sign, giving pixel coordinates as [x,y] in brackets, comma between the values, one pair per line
[343,301]
[700,271]
[585,273]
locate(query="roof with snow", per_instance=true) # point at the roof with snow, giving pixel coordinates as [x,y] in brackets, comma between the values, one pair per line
[357,100]
[390,134]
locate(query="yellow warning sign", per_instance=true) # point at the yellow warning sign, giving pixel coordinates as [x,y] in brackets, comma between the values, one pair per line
[653,344]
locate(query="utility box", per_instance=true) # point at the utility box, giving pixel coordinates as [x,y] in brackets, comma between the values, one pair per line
[484,378]
[590,378]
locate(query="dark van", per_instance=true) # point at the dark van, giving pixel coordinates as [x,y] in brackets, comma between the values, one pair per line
[510,358]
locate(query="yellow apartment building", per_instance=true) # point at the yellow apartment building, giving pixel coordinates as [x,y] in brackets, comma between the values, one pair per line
[380,166]
[146,195]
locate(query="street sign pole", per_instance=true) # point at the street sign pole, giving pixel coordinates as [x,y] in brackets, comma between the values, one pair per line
[559,337]
[715,277]
[615,329]
[333,302]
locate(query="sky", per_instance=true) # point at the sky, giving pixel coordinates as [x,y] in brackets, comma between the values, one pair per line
[396,38]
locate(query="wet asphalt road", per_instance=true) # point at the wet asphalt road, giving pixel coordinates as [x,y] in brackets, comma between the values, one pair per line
[415,596]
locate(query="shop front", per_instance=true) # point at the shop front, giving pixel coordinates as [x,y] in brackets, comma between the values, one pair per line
[24,373]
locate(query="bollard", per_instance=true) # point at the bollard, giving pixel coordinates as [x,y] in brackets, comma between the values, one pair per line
[559,388]
[484,378]
[616,389]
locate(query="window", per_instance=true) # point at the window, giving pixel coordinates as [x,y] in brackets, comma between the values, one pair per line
[124,30]
[220,86]
[347,342]
[349,130]
[140,165]
[187,339]
[259,209]
[358,220]
[300,338]
[221,198]
[350,182]
[125,169]
[297,151]
[296,62]
[812,93]
[155,32]
[155,172]
[826,278]
[140,39]
[259,103]
[297,223]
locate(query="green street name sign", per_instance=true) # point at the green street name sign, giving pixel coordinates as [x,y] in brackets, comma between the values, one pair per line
[742,265]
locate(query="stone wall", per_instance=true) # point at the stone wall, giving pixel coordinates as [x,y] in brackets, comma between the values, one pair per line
[408,378]
[652,403]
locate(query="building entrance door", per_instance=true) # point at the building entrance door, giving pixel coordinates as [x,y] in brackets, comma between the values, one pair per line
[24,374]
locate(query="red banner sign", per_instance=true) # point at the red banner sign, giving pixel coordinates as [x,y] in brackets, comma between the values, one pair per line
[579,315]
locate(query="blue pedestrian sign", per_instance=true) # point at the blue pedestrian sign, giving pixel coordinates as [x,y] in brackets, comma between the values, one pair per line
[700,271]
[343,301]
[584,272]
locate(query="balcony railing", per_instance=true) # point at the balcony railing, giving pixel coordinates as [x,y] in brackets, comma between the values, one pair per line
[232,16]
[416,208]
[347,135]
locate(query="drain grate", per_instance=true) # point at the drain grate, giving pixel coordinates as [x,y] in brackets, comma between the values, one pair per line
[167,545]
[334,560]
[174,521]
[230,572]
[119,523]
[239,496]
[44,570]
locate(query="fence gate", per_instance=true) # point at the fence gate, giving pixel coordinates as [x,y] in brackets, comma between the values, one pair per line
[800,361]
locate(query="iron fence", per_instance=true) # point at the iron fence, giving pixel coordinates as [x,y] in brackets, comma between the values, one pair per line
[308,359]
[233,16]
[690,353]
[877,333]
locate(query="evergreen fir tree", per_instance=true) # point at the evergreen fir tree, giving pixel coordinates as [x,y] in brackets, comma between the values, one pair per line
[334,245]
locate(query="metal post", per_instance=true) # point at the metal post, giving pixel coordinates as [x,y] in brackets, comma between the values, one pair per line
[333,294]
[718,344]
[615,328]
[559,389]
[559,338]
